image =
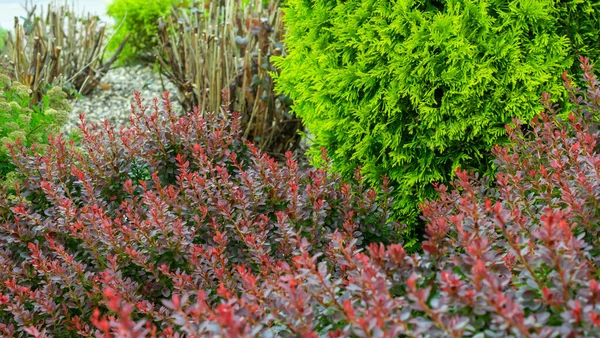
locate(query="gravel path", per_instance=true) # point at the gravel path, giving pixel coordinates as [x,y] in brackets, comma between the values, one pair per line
[112,99]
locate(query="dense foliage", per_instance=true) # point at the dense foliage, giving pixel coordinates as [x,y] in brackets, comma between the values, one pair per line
[139,19]
[153,209]
[236,245]
[415,89]
[578,20]
[31,123]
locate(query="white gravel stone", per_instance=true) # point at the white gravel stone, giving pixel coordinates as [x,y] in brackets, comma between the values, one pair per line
[112,99]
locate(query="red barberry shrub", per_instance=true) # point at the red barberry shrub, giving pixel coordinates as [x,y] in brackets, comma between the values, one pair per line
[169,206]
[236,249]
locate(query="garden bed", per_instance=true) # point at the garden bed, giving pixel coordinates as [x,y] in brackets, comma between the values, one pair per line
[453,188]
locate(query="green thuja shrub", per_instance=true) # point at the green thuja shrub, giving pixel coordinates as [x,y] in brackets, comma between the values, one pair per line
[414,89]
[139,18]
[580,21]
[27,122]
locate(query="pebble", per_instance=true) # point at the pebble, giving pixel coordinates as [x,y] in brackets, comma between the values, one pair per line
[111,100]
[113,97]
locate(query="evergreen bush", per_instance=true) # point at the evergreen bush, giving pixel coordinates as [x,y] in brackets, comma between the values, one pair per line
[578,20]
[415,89]
[139,18]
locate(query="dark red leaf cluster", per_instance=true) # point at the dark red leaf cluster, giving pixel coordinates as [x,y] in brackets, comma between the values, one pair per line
[177,228]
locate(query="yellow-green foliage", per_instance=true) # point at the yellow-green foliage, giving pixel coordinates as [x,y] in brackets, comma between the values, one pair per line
[140,19]
[414,89]
[28,123]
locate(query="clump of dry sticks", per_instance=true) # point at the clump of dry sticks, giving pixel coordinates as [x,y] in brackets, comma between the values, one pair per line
[58,48]
[218,54]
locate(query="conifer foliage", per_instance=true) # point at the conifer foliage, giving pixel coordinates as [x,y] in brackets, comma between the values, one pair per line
[578,20]
[415,89]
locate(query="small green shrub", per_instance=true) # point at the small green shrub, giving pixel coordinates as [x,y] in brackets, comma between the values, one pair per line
[19,119]
[415,89]
[140,19]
